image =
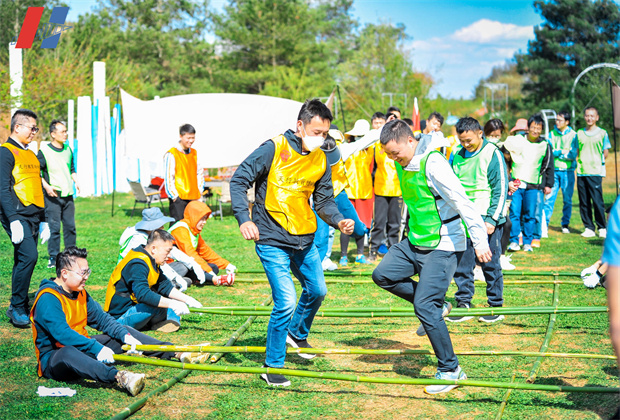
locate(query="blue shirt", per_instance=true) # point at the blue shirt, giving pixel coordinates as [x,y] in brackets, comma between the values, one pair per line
[611,251]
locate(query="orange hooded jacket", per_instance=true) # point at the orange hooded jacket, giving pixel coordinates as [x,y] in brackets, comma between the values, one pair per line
[202,253]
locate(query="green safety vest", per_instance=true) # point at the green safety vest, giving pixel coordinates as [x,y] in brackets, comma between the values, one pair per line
[590,160]
[182,224]
[424,220]
[59,168]
[529,169]
[562,142]
[472,171]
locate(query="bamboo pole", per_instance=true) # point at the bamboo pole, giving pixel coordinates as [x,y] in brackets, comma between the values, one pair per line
[337,351]
[366,379]
[502,406]
[351,273]
[556,301]
[354,281]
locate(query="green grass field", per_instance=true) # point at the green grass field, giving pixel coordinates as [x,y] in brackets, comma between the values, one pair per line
[244,396]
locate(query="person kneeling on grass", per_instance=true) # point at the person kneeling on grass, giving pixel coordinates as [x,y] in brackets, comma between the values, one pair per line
[186,233]
[62,309]
[140,296]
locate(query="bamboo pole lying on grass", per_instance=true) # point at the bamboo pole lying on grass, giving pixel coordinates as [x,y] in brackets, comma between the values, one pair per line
[355,378]
[290,350]
[352,273]
[368,281]
[401,312]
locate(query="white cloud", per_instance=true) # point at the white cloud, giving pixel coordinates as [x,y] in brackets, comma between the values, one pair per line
[486,31]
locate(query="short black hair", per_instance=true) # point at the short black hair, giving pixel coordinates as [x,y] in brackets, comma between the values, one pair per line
[591,107]
[20,116]
[187,129]
[396,130]
[392,109]
[159,235]
[467,124]
[437,116]
[313,108]
[378,116]
[409,121]
[493,125]
[54,123]
[66,258]
[565,114]
[535,119]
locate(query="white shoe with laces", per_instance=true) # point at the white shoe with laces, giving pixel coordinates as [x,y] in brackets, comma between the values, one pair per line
[602,233]
[504,261]
[588,233]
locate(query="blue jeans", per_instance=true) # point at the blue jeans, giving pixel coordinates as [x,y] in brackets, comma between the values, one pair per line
[564,180]
[321,236]
[523,201]
[138,316]
[306,265]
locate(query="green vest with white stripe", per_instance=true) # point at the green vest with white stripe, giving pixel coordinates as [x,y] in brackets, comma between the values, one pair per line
[472,171]
[59,168]
[528,169]
[562,142]
[181,223]
[590,160]
[424,220]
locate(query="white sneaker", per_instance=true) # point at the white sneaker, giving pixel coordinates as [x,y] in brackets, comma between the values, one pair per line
[504,261]
[602,233]
[528,248]
[328,265]
[514,247]
[565,230]
[478,274]
[588,233]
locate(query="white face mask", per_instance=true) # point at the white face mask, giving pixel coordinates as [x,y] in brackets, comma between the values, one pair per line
[312,142]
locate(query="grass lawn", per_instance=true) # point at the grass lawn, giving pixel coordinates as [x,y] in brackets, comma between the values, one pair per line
[244,396]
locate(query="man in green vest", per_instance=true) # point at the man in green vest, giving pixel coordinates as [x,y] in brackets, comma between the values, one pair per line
[58,172]
[439,210]
[482,170]
[594,148]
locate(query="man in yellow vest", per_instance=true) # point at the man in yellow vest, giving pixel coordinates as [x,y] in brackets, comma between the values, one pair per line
[288,170]
[22,209]
[183,179]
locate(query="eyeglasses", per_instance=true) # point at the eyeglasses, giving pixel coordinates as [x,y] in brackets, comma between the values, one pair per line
[34,128]
[84,274]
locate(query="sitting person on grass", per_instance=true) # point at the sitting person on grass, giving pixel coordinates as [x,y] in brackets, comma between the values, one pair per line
[140,296]
[62,309]
[134,236]
[186,233]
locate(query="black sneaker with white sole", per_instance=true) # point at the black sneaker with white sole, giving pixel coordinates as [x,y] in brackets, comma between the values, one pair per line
[491,318]
[273,379]
[462,317]
[297,344]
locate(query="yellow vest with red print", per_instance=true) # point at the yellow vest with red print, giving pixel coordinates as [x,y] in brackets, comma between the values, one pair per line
[27,175]
[116,276]
[290,184]
[75,310]
[359,172]
[185,178]
[386,178]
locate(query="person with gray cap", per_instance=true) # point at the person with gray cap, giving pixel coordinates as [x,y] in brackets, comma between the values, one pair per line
[134,236]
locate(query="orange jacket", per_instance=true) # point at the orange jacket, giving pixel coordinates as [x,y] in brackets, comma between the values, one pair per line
[202,253]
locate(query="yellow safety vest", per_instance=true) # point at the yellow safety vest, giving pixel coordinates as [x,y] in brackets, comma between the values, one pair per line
[75,310]
[185,176]
[290,184]
[27,175]
[116,276]
[386,177]
[359,172]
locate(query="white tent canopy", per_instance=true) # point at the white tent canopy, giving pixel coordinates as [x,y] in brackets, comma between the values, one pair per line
[229,126]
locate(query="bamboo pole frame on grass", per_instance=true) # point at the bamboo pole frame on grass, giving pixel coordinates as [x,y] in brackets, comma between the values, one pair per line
[366,379]
[390,352]
[352,273]
[368,281]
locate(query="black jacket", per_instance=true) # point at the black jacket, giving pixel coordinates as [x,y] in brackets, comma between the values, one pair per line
[255,168]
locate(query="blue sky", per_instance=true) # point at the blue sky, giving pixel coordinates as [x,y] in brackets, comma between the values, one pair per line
[456,41]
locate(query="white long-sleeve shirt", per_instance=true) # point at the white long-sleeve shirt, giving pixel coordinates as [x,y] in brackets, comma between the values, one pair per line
[170,171]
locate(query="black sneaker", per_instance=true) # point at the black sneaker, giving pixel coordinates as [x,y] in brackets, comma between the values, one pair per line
[372,257]
[296,344]
[491,318]
[51,263]
[460,318]
[273,379]
[18,317]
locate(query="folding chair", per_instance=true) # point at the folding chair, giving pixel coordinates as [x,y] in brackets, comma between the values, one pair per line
[144,195]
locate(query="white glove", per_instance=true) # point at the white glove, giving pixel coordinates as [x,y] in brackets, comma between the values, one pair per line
[178,307]
[193,303]
[181,282]
[230,269]
[200,274]
[44,232]
[106,355]
[17,232]
[587,271]
[591,280]
[133,342]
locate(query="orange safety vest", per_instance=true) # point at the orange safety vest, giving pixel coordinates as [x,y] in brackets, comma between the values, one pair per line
[152,278]
[75,311]
[359,172]
[27,175]
[386,177]
[290,184]
[185,176]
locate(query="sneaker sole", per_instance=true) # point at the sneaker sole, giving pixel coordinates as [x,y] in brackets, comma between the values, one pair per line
[138,386]
[459,319]
[263,376]
[446,389]
[291,343]
[166,327]
[488,321]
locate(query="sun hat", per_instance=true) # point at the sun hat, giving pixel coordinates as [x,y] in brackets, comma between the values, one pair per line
[521,125]
[152,218]
[361,128]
